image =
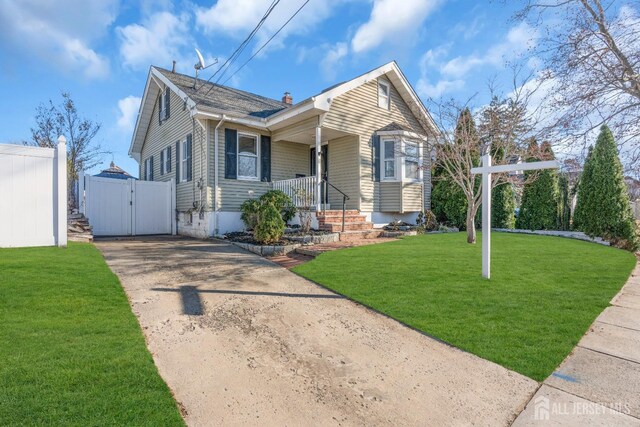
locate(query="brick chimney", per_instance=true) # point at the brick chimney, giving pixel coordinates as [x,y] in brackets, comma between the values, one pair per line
[287,99]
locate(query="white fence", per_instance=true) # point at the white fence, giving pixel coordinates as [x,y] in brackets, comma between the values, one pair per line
[301,190]
[119,207]
[33,195]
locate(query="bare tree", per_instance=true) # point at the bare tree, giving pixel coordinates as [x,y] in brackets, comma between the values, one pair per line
[506,126]
[55,120]
[590,51]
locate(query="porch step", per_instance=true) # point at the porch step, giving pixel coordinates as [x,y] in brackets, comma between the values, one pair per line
[79,229]
[348,226]
[338,218]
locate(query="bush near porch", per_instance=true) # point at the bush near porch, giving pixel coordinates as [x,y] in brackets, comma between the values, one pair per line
[543,295]
[71,349]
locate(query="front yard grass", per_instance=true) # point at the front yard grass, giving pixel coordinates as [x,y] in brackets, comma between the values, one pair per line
[543,295]
[71,350]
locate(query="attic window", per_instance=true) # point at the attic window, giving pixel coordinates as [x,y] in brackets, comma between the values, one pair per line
[383,94]
[164,105]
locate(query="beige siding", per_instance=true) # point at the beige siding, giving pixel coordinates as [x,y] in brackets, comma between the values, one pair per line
[343,171]
[289,159]
[357,112]
[390,196]
[159,136]
[412,197]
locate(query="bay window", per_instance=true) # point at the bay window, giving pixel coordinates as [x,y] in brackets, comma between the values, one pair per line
[411,161]
[400,160]
[389,159]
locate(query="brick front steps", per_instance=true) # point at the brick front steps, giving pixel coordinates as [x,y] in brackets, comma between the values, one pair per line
[331,220]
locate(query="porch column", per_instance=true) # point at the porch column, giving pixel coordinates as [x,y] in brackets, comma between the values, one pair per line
[318,167]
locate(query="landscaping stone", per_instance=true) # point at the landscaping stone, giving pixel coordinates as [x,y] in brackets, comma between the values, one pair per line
[558,233]
[267,250]
[399,233]
[316,238]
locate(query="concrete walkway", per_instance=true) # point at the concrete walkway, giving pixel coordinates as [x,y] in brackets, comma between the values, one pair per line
[242,341]
[598,384]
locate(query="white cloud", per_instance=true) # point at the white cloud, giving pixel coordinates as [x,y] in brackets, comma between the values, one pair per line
[332,59]
[128,111]
[391,20]
[60,32]
[239,17]
[438,89]
[159,39]
[519,39]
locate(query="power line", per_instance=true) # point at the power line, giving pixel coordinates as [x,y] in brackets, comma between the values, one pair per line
[267,42]
[236,53]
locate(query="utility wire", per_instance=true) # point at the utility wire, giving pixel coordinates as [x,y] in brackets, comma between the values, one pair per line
[267,42]
[236,53]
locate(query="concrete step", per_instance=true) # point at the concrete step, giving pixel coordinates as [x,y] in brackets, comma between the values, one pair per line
[347,236]
[352,226]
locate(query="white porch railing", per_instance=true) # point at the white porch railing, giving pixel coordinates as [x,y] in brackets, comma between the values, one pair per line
[301,190]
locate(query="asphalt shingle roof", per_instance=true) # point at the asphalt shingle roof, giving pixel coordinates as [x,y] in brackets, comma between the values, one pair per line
[223,97]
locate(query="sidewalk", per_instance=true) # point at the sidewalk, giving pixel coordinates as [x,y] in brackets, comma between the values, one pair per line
[599,382]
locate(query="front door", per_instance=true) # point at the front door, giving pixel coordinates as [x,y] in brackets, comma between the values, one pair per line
[324,161]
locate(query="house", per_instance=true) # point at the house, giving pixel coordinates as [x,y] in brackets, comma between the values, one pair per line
[370,138]
[114,172]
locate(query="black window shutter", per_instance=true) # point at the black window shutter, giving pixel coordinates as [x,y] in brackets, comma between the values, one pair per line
[167,103]
[189,157]
[162,162]
[265,158]
[168,159]
[230,153]
[376,157]
[177,161]
[151,167]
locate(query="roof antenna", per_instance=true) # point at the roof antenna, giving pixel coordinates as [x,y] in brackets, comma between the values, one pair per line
[200,65]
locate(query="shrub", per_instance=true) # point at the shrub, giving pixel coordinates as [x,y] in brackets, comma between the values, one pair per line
[270,227]
[250,210]
[603,202]
[503,206]
[539,206]
[449,204]
[426,221]
[281,202]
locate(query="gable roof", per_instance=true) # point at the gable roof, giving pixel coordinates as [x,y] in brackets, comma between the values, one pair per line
[224,98]
[258,111]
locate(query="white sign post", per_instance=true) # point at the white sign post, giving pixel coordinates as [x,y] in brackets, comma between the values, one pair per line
[486,170]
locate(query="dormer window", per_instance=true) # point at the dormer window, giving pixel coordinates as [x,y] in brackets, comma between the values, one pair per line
[383,94]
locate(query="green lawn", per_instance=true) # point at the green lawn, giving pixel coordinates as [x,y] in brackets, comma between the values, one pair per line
[543,295]
[71,350]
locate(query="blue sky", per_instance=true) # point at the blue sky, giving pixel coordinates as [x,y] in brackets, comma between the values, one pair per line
[100,51]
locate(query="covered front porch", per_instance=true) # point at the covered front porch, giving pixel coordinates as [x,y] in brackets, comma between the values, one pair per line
[316,166]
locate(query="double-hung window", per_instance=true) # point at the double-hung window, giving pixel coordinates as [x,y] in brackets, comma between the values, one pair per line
[165,161]
[247,156]
[411,159]
[383,94]
[148,169]
[185,159]
[389,159]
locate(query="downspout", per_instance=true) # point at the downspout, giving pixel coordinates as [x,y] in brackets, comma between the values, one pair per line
[215,174]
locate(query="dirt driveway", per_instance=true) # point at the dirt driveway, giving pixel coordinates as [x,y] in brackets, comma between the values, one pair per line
[241,340]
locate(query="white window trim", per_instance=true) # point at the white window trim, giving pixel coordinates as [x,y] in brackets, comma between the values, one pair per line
[400,165]
[387,104]
[147,169]
[384,159]
[257,138]
[183,165]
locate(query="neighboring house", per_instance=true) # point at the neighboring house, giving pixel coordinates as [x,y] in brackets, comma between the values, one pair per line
[370,137]
[114,172]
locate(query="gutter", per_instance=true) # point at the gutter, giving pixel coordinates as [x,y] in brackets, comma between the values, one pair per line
[215,175]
